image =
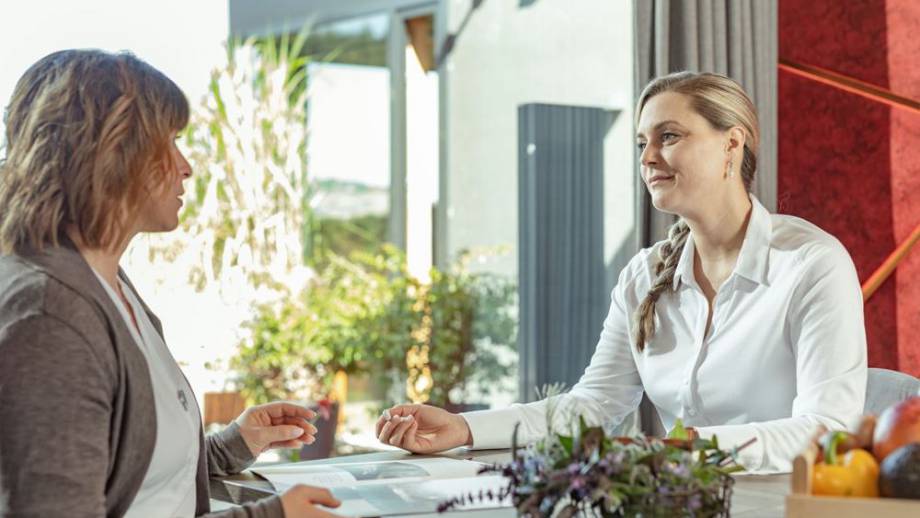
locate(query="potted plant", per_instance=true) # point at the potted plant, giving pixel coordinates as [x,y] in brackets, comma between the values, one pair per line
[585,472]
[354,317]
[468,324]
[367,315]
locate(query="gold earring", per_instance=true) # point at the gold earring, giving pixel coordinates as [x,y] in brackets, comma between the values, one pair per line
[731,170]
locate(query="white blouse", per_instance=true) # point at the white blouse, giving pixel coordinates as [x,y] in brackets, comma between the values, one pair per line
[786,350]
[168,488]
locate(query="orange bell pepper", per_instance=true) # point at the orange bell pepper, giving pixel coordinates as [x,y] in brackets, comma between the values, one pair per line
[856,475]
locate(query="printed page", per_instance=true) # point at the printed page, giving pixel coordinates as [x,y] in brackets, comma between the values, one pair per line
[406,498]
[367,473]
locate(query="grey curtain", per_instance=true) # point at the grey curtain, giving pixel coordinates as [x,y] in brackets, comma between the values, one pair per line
[732,37]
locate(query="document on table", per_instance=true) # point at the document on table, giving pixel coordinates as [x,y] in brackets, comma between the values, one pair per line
[392,487]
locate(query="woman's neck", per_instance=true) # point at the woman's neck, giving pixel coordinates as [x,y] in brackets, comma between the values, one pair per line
[719,233]
[103,260]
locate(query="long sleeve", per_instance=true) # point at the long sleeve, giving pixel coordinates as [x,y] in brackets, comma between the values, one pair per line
[609,390]
[55,406]
[228,454]
[269,507]
[826,330]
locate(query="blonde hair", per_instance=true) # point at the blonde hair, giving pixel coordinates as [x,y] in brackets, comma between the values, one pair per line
[87,134]
[724,104]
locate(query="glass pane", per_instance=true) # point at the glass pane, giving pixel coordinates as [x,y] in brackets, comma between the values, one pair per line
[348,120]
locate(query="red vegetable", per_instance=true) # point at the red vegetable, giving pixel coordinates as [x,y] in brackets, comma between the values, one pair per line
[898,425]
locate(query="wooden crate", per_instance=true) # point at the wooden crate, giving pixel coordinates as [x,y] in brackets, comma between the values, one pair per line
[800,503]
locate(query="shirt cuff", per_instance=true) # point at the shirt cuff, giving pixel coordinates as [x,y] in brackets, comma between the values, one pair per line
[732,436]
[492,429]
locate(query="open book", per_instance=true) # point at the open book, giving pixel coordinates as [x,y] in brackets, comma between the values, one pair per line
[395,487]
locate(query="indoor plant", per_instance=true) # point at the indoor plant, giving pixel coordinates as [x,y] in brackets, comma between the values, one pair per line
[588,473]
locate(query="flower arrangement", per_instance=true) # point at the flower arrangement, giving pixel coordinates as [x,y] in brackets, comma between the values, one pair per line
[588,473]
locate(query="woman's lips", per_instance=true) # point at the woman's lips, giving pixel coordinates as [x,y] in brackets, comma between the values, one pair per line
[655,180]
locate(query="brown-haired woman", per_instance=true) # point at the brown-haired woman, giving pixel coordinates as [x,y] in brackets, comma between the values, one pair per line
[743,324]
[97,419]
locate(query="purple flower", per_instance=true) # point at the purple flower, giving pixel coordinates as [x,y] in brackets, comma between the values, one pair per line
[678,470]
[695,502]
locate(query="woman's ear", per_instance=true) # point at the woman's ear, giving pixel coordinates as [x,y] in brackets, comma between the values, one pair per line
[736,138]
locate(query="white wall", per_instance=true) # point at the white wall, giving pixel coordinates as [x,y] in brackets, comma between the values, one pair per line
[576,52]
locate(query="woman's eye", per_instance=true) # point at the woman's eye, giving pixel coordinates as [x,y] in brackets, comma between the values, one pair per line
[641,145]
[666,137]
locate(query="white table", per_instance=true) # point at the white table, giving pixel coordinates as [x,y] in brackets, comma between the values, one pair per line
[754,496]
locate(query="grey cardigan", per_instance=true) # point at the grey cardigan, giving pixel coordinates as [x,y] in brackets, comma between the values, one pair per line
[77,417]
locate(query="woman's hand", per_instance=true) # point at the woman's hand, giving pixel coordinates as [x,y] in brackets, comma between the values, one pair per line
[423,429]
[276,425]
[298,502]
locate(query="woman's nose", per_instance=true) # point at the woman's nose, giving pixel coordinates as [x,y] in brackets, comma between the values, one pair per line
[648,156]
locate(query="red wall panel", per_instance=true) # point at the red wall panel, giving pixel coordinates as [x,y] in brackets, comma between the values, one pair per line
[851,164]
[903,45]
[847,37]
[905,195]
[834,153]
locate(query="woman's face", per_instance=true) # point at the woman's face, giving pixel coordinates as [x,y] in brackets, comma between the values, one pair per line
[160,211]
[684,159]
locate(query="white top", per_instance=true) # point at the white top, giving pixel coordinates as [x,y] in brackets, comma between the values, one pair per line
[168,488]
[786,350]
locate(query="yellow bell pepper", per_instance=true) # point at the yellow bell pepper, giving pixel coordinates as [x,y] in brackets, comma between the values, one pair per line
[857,475]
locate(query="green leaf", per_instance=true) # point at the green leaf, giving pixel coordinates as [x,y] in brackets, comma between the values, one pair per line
[678,432]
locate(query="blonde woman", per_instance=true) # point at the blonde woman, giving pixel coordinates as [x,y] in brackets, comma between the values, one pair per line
[97,419]
[743,324]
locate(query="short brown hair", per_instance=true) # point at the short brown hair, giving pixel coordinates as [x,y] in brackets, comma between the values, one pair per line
[87,132]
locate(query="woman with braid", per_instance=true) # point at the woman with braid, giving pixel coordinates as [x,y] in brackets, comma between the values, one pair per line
[743,324]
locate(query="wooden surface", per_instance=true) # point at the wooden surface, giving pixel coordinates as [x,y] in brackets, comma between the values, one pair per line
[755,496]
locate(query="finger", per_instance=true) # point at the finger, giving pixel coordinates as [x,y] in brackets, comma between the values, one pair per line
[286,408]
[385,418]
[400,430]
[403,410]
[294,443]
[384,435]
[273,434]
[305,425]
[318,495]
[410,438]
